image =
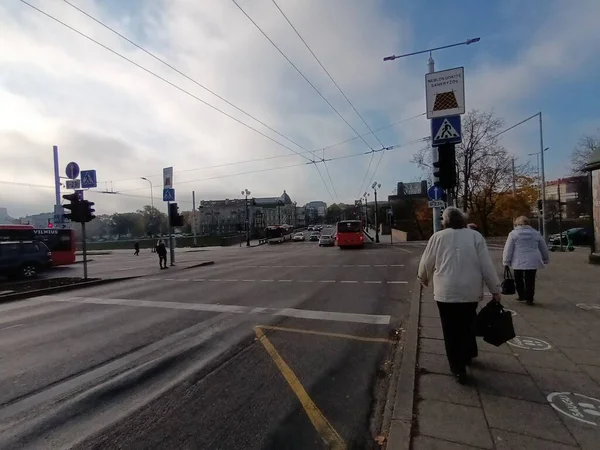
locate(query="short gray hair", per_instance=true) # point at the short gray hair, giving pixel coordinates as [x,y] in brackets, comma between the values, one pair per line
[522,220]
[454,218]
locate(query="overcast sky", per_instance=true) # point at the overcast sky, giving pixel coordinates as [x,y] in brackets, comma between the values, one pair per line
[59,88]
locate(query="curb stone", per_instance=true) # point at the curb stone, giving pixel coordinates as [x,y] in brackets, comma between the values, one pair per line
[399,436]
[57,289]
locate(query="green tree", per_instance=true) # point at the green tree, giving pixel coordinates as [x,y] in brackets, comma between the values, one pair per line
[153,221]
[128,223]
[334,213]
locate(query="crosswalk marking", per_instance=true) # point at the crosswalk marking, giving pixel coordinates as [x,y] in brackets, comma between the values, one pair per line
[375,319]
[287,280]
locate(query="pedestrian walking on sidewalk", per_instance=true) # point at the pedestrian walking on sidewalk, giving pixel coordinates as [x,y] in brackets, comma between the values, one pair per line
[458,262]
[525,252]
[161,250]
[136,247]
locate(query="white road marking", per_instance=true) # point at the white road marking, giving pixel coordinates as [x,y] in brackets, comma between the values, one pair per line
[403,249]
[285,281]
[372,282]
[347,281]
[230,280]
[11,326]
[214,279]
[396,265]
[268,281]
[397,282]
[326,281]
[235,309]
[248,281]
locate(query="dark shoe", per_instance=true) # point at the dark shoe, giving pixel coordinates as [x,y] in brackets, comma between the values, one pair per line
[519,299]
[529,302]
[166,267]
[461,377]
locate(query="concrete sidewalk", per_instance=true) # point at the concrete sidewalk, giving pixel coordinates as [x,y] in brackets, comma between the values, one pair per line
[540,392]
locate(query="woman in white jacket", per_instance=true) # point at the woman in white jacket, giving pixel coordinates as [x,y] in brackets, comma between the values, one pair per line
[458,262]
[525,252]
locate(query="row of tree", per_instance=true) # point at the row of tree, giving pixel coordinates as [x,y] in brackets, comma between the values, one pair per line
[493,187]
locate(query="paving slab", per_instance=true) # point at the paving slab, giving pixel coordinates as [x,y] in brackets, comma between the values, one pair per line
[429,310]
[429,443]
[510,385]
[523,417]
[431,332]
[444,388]
[432,346]
[456,423]
[434,363]
[499,362]
[430,322]
[505,440]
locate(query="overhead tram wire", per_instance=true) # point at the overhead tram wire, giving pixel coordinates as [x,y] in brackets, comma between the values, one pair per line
[270,157]
[186,76]
[163,79]
[327,72]
[353,155]
[301,74]
[170,66]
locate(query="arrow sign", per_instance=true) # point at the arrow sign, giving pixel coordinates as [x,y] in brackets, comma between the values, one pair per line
[435,193]
[72,170]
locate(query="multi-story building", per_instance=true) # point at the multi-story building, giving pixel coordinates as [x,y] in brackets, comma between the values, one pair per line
[573,196]
[5,219]
[229,216]
[315,211]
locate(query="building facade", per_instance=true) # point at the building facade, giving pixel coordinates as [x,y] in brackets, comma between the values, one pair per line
[573,193]
[226,217]
[315,211]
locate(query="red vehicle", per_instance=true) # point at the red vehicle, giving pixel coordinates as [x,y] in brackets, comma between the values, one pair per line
[60,242]
[349,234]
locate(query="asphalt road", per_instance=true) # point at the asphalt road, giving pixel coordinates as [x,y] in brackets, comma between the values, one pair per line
[280,346]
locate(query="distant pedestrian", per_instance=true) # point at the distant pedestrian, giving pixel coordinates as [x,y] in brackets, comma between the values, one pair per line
[161,250]
[458,262]
[136,246]
[525,251]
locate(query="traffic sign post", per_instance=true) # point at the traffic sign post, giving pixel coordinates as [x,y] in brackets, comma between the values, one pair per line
[72,170]
[88,179]
[435,193]
[445,92]
[446,130]
[168,195]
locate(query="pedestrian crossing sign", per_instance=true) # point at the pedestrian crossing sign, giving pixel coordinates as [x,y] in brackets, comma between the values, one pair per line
[446,130]
[168,195]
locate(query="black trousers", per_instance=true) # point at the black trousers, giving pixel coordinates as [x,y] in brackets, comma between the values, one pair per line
[162,259]
[525,284]
[457,325]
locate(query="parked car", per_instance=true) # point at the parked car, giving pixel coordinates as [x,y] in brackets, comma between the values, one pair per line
[24,258]
[311,228]
[326,240]
[579,236]
[299,237]
[314,236]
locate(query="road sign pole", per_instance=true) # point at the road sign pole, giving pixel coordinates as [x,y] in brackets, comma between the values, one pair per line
[84,245]
[437,223]
[171,230]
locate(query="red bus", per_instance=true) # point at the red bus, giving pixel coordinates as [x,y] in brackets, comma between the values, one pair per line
[349,234]
[60,242]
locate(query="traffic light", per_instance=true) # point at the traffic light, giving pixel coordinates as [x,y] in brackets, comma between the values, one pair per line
[446,166]
[88,211]
[175,219]
[74,206]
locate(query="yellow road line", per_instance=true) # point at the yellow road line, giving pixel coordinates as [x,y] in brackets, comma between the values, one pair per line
[325,333]
[321,424]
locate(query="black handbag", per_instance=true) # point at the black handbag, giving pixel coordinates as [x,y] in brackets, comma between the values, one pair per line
[494,323]
[508,284]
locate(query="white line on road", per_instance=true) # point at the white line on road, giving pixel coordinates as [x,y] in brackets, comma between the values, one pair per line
[372,282]
[326,281]
[397,282]
[268,281]
[248,281]
[235,309]
[214,279]
[396,265]
[230,280]
[285,281]
[347,281]
[169,279]
[11,326]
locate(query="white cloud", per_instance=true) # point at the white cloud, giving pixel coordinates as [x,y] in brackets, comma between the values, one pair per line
[58,88]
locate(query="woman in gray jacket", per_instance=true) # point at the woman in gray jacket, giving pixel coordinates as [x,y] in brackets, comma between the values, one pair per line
[525,252]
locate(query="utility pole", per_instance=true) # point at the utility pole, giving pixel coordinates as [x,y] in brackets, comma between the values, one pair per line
[376,186]
[246,192]
[543,180]
[194,216]
[514,180]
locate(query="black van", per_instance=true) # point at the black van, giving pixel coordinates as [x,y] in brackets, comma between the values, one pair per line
[24,258]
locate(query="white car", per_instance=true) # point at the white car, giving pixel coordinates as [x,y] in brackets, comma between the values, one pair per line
[326,240]
[299,237]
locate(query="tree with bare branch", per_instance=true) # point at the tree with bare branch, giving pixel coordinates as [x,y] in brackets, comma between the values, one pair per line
[580,155]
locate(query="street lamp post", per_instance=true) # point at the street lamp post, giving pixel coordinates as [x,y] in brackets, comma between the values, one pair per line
[152,209]
[437,225]
[246,192]
[539,184]
[376,186]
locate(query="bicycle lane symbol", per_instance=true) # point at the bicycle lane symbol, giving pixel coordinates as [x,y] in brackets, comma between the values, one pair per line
[576,406]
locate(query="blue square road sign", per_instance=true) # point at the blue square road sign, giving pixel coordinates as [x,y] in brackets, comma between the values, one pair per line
[168,195]
[446,130]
